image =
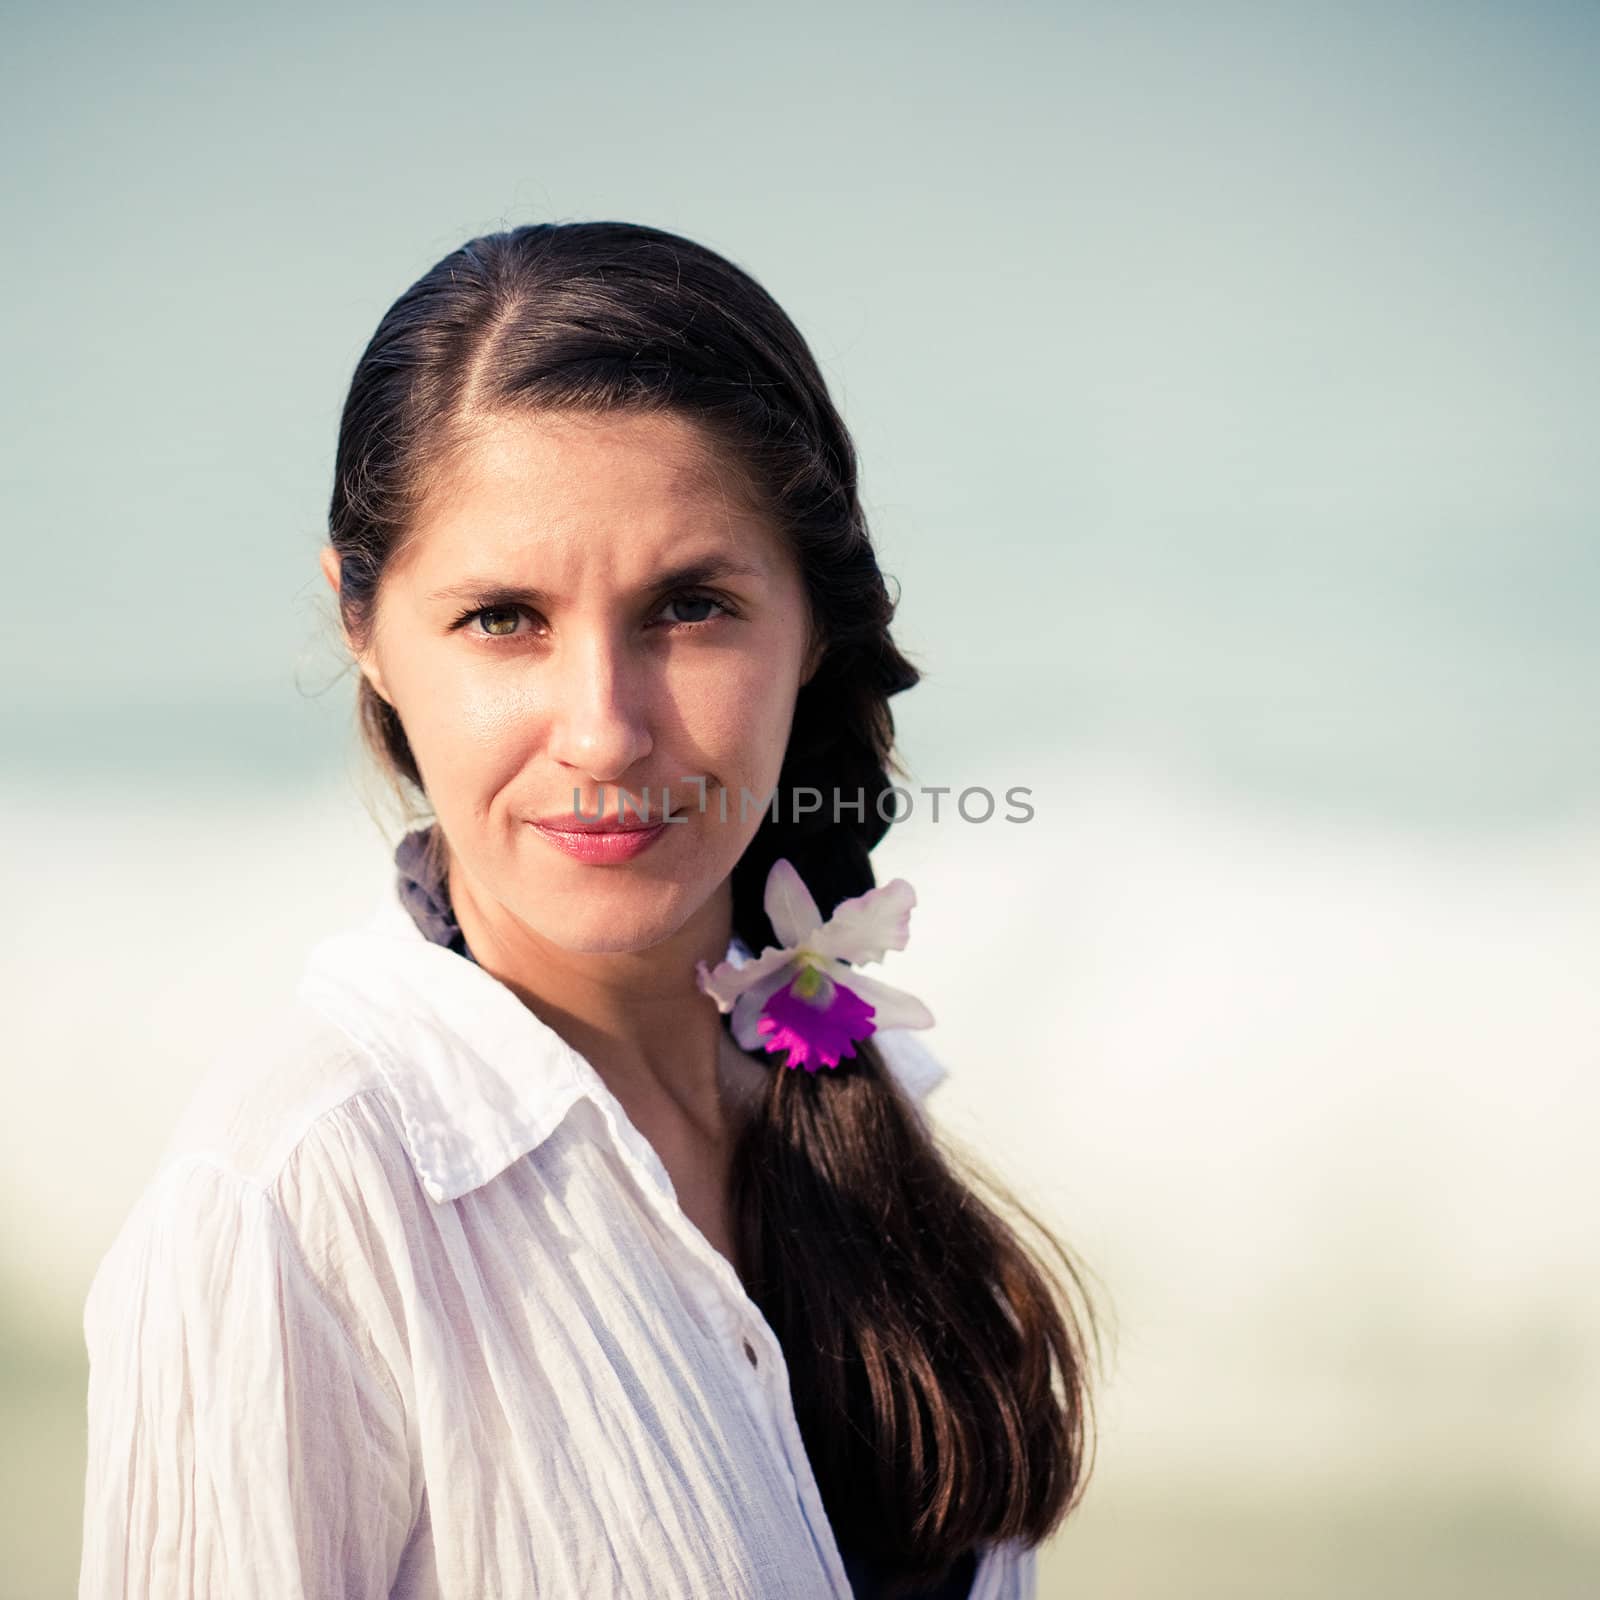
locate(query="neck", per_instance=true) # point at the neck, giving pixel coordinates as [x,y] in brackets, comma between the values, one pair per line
[637,1016]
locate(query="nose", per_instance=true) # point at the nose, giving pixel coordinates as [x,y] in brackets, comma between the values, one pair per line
[600,727]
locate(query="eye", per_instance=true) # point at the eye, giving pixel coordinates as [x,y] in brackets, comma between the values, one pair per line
[693,598]
[500,620]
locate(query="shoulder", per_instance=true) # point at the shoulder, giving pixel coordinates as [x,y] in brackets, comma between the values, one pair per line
[288,1150]
[271,1205]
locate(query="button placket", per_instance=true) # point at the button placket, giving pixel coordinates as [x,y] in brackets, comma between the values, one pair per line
[718,1289]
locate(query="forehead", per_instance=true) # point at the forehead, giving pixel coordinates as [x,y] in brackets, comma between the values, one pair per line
[621,487]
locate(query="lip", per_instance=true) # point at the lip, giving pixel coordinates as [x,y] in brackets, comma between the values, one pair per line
[601,846]
[571,822]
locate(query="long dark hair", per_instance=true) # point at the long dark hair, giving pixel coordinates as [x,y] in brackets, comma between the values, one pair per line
[938,1368]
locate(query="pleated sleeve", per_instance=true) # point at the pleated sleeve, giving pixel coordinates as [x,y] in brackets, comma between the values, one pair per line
[239,1443]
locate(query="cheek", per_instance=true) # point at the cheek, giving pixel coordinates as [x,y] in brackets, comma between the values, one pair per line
[463,723]
[739,717]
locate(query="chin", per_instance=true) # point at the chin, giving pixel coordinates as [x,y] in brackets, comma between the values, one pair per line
[614,918]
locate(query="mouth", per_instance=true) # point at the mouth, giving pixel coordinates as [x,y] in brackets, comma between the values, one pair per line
[601,843]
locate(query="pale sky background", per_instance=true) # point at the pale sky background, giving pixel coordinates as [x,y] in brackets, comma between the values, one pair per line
[1225,381]
[1225,377]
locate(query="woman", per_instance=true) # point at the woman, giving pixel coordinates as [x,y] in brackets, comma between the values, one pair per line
[516,1260]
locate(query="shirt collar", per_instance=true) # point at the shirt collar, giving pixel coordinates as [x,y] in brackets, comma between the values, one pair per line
[478,1078]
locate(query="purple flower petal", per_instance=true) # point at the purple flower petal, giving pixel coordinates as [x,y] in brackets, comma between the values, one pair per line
[819,1030]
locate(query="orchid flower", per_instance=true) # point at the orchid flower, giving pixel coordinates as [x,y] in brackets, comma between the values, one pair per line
[802,996]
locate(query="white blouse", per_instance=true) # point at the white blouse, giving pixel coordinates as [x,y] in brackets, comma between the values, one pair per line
[409,1308]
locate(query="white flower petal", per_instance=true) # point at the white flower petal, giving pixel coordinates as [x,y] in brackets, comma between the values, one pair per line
[726,982]
[789,906]
[891,1008]
[747,1008]
[863,928]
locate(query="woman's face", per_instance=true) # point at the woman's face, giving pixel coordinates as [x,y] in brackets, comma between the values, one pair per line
[540,636]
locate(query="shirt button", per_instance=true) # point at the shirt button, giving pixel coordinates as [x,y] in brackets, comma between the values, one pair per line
[750,1353]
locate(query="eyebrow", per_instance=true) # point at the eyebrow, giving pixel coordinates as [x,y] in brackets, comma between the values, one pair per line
[710,569]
